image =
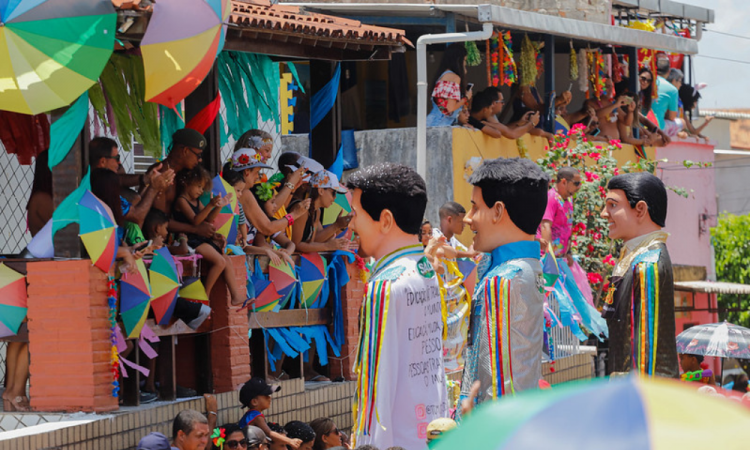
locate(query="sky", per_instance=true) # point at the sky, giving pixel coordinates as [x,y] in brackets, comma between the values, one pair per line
[727,81]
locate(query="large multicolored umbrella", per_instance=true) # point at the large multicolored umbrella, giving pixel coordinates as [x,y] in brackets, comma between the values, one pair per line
[192,290]
[633,413]
[135,298]
[164,285]
[342,205]
[266,297]
[724,340]
[181,43]
[98,231]
[312,274]
[284,280]
[51,51]
[12,300]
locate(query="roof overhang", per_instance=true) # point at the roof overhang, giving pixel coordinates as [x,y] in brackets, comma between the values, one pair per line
[712,287]
[515,19]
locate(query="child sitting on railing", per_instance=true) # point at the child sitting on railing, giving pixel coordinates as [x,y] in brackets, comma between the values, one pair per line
[189,209]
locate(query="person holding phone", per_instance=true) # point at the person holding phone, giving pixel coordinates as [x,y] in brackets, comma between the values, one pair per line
[450,93]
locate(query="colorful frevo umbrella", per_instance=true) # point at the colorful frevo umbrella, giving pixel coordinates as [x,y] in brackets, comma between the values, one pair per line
[52,51]
[284,280]
[192,290]
[312,274]
[12,300]
[342,205]
[98,231]
[181,43]
[226,221]
[636,413]
[135,298]
[266,297]
[164,285]
[550,270]
[724,340]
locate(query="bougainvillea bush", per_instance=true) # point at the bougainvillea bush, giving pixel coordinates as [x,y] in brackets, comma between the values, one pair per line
[597,164]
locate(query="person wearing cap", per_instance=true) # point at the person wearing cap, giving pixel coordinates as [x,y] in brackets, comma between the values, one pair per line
[401,335]
[154,441]
[308,233]
[186,152]
[256,396]
[437,428]
[256,438]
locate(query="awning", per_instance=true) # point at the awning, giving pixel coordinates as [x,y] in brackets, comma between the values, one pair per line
[515,19]
[712,287]
[579,29]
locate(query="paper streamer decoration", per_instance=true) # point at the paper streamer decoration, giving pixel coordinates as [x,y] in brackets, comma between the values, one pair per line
[66,129]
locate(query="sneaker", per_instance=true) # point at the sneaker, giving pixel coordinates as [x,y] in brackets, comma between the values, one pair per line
[148,397]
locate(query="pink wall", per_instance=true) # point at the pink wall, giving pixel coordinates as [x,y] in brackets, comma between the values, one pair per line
[690,240]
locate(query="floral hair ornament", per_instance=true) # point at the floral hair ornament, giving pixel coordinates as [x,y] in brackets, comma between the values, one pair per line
[256,142]
[247,158]
[218,437]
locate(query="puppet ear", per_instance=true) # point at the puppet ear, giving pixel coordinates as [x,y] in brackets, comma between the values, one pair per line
[641,210]
[386,221]
[498,209]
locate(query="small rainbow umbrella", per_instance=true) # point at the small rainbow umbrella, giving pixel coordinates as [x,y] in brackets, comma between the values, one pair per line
[98,230]
[164,285]
[633,413]
[312,270]
[266,297]
[181,43]
[192,290]
[550,269]
[284,280]
[226,221]
[52,51]
[342,205]
[135,298]
[12,300]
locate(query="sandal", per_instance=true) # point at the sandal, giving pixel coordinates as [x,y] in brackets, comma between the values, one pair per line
[16,404]
[283,376]
[318,379]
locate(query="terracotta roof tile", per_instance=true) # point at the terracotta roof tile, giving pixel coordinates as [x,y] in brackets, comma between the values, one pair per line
[262,16]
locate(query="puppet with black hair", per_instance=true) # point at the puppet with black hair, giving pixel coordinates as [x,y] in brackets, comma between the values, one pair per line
[399,365]
[507,316]
[639,305]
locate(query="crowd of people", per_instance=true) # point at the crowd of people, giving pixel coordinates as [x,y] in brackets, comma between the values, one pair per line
[660,110]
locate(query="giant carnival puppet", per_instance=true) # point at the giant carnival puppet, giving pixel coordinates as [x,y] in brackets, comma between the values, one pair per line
[507,317]
[639,306]
[399,365]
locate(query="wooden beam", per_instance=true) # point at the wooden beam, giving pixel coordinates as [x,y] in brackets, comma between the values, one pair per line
[304,50]
[289,318]
[178,327]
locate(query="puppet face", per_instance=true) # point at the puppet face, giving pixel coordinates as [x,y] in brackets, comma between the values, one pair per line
[483,221]
[622,218]
[365,226]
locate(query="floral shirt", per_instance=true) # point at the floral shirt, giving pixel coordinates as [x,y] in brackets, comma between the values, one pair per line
[560,213]
[444,91]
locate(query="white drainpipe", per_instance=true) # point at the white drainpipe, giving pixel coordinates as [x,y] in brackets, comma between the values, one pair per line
[422,43]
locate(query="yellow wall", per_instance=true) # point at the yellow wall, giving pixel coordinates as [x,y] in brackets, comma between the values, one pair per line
[468,144]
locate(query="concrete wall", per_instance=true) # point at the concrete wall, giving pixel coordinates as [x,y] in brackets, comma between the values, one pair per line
[399,146]
[689,219]
[732,172]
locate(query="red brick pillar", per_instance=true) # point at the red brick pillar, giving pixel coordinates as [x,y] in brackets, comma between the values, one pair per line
[351,301]
[230,350]
[69,337]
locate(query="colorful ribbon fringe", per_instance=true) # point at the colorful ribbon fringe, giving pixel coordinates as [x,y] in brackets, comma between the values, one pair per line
[645,343]
[114,355]
[372,325]
[498,320]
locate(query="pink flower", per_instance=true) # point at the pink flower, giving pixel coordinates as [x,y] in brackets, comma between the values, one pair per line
[616,143]
[594,278]
[595,156]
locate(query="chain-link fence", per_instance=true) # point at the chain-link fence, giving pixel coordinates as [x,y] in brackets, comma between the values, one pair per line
[15,188]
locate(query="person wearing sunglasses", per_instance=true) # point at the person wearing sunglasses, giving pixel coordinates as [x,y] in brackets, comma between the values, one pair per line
[557,222]
[327,434]
[229,436]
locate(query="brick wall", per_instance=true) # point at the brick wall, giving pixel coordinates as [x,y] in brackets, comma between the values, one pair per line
[69,337]
[230,352]
[351,299]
